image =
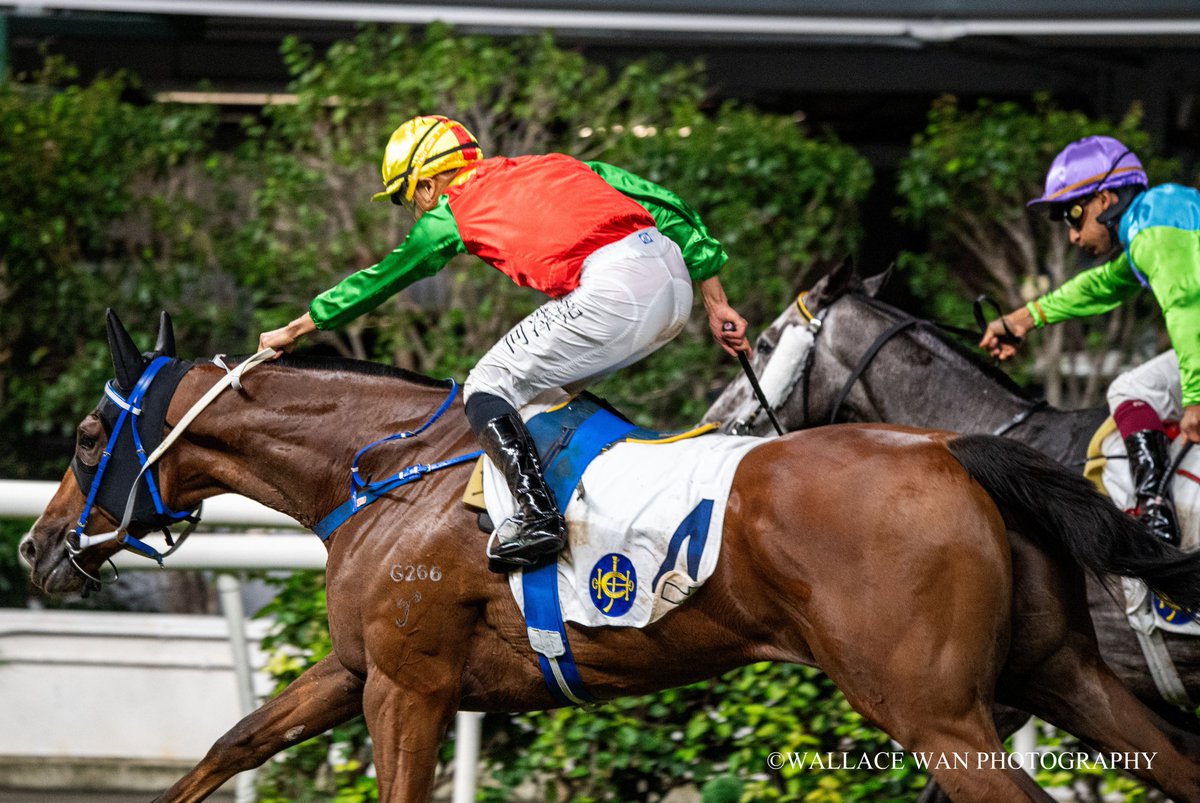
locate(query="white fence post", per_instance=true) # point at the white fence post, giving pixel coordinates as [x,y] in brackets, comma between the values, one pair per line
[230,590]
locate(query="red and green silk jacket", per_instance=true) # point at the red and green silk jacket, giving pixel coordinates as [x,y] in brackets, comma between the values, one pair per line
[534,218]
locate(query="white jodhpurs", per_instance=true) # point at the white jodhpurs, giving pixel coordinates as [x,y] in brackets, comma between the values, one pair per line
[634,295]
[1155,382]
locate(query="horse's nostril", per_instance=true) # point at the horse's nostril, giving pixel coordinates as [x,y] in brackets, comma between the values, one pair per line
[28,550]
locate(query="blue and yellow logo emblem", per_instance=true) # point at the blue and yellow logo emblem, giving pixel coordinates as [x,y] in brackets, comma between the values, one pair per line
[1174,614]
[614,584]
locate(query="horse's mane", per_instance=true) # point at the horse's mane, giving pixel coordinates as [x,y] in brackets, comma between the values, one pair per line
[326,364]
[971,357]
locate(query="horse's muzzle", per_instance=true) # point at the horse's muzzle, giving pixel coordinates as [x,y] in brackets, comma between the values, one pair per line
[50,569]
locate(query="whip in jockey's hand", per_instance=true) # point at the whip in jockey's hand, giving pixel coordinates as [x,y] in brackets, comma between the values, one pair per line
[1097,187]
[1003,335]
[616,254]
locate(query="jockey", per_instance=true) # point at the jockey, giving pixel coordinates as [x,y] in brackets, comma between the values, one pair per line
[1098,187]
[615,253]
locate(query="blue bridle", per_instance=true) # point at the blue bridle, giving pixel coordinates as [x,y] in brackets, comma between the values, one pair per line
[131,407]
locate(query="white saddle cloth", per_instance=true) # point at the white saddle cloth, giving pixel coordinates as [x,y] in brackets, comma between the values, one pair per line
[621,521]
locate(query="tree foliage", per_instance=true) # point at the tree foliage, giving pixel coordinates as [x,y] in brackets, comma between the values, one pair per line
[966,181]
[92,215]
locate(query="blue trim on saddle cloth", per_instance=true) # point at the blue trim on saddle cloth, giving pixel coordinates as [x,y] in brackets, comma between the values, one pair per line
[568,439]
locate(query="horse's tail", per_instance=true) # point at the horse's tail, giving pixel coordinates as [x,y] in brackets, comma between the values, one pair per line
[1043,500]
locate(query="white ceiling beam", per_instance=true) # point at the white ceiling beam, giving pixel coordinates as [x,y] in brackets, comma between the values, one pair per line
[929,30]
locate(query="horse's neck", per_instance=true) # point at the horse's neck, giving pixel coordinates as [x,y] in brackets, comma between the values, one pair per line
[944,391]
[288,439]
[1062,434]
[949,391]
[952,393]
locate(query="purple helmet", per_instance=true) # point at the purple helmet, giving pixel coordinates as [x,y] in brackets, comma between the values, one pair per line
[1089,165]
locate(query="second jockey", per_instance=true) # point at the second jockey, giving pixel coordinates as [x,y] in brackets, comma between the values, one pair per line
[615,253]
[1098,188]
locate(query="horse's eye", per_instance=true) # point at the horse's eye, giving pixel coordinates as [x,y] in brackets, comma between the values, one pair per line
[766,347]
[86,441]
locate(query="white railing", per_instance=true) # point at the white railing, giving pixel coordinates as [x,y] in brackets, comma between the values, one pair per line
[227,552]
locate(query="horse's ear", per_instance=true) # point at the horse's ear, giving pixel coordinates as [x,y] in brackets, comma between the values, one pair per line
[835,284]
[165,344]
[127,360]
[875,283]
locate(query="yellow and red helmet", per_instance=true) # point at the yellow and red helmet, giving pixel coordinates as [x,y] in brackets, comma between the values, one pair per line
[422,147]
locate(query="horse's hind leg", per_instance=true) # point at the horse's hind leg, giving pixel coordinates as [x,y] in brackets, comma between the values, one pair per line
[1008,721]
[1077,692]
[324,696]
[920,649]
[1056,672]
[940,711]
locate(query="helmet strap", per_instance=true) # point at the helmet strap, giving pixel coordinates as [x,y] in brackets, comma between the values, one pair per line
[1111,217]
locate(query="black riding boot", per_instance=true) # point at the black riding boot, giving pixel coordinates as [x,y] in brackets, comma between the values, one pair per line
[1149,462]
[538,531]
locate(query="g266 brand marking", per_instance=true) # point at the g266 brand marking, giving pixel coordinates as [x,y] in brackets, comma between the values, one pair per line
[412,572]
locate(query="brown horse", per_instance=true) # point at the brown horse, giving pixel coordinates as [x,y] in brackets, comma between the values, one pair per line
[878,553]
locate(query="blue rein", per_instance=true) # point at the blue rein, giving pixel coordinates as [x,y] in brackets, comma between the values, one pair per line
[363,493]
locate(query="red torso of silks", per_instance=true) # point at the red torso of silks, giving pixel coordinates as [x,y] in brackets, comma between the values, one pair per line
[537,218]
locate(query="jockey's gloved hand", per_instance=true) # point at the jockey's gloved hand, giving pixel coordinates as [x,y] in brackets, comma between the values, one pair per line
[998,337]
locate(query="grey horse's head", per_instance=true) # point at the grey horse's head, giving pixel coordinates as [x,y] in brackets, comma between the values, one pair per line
[785,349]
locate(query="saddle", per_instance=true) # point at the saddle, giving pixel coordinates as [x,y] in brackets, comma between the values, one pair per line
[644,526]
[569,436]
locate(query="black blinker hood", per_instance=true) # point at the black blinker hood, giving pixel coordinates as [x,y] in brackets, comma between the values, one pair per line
[124,465]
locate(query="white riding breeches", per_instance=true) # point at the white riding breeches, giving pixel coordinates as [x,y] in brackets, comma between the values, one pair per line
[1155,382]
[634,295]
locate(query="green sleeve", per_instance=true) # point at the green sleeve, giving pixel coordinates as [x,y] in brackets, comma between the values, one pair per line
[433,240]
[702,254]
[1092,292]
[1170,259]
